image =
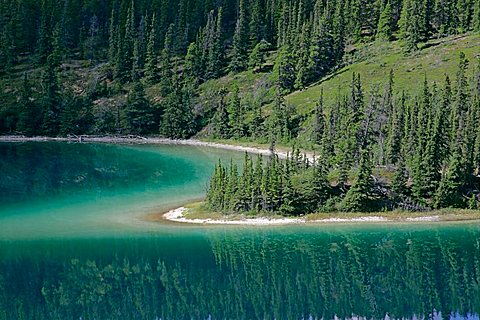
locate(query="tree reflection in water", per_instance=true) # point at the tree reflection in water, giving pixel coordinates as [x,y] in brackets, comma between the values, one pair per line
[247,274]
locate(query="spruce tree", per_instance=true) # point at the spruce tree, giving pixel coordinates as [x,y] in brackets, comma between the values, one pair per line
[476,156]
[7,46]
[92,42]
[212,45]
[240,41]
[422,176]
[138,114]
[359,196]
[385,23]
[302,56]
[256,126]
[447,111]
[125,45]
[279,119]
[257,191]
[29,115]
[113,38]
[220,121]
[396,134]
[321,186]
[257,57]
[257,22]
[399,180]
[246,184]
[476,17]
[178,119]
[51,92]
[319,121]
[463,15]
[44,42]
[290,197]
[151,60]
[235,113]
[339,31]
[136,61]
[284,69]
[193,63]
[445,17]
[322,54]
[460,105]
[411,24]
[449,191]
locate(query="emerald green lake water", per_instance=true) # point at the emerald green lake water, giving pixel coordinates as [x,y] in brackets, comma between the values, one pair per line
[72,246]
[68,190]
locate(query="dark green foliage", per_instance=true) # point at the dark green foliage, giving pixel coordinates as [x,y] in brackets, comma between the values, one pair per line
[319,125]
[400,178]
[44,41]
[359,196]
[151,60]
[235,115]
[125,46]
[76,117]
[284,187]
[396,133]
[149,39]
[257,57]
[239,52]
[449,193]
[210,42]
[431,139]
[221,121]
[385,23]
[284,69]
[256,125]
[325,50]
[193,63]
[51,92]
[30,116]
[281,119]
[178,121]
[476,17]
[138,115]
[412,24]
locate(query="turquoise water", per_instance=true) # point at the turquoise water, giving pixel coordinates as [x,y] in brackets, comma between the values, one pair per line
[72,246]
[66,190]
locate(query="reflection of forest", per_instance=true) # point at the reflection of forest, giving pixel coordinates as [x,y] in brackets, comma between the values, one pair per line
[239,274]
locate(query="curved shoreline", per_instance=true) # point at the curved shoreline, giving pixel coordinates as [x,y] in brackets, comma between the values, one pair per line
[178,216]
[144,140]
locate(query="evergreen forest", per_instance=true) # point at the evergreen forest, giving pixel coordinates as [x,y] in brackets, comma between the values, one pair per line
[164,68]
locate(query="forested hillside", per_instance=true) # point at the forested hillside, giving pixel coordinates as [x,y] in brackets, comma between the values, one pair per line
[225,69]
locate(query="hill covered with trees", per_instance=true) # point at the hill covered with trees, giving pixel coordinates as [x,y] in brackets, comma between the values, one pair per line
[162,67]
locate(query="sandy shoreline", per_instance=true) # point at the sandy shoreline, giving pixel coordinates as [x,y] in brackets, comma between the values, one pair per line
[144,140]
[178,215]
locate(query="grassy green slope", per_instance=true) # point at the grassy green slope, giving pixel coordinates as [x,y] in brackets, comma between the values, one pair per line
[375,60]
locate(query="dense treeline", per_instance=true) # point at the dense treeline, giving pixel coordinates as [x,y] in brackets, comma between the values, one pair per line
[173,46]
[431,140]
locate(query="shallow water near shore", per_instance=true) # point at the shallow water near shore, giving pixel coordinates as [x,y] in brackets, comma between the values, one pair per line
[73,246]
[54,189]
